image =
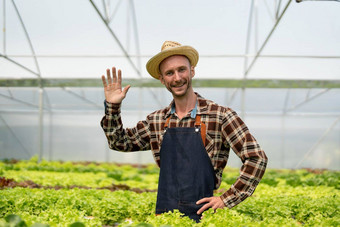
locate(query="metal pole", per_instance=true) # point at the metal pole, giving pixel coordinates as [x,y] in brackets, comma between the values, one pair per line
[114,12]
[298,1]
[40,145]
[18,64]
[283,129]
[126,54]
[245,65]
[267,39]
[149,56]
[318,142]
[15,137]
[278,10]
[136,35]
[256,21]
[29,42]
[50,135]
[41,123]
[4,26]
[246,59]
[82,98]
[269,10]
[106,11]
[50,128]
[141,98]
[128,27]
[231,99]
[41,90]
[19,101]
[309,99]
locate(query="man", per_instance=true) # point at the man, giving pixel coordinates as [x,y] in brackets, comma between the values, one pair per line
[190,139]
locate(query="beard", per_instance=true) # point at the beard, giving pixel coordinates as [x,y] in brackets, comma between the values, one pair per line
[179,89]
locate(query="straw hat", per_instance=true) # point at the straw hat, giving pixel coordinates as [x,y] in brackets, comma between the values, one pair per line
[168,49]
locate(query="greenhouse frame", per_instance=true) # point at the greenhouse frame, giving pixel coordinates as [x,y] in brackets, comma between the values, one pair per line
[275,62]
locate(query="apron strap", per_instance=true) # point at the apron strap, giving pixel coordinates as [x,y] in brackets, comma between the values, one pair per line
[167,122]
[198,124]
[203,127]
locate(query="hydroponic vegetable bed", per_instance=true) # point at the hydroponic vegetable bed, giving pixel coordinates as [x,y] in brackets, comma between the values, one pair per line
[103,194]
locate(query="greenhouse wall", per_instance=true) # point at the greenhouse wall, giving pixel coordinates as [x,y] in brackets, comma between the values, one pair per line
[297,128]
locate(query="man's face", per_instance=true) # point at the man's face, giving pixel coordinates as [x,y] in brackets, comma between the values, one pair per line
[176,75]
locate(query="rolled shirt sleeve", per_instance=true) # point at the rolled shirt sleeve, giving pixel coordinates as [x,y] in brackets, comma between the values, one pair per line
[254,160]
[120,139]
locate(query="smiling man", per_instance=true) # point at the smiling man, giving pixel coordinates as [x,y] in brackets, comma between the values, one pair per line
[190,139]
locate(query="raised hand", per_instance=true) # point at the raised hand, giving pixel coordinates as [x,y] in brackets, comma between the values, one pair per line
[113,87]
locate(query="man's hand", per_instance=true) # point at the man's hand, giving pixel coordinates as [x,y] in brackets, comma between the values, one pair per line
[113,88]
[213,202]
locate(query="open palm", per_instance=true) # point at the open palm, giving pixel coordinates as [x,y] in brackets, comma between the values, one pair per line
[113,86]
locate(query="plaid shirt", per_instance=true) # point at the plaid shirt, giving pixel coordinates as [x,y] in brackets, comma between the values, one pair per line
[224,130]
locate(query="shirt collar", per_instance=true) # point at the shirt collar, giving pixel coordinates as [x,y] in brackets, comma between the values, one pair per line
[193,111]
[200,107]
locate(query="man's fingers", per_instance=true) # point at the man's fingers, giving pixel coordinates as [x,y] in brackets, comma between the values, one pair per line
[215,207]
[126,89]
[119,81]
[211,202]
[203,208]
[114,75]
[115,78]
[104,81]
[202,200]
[108,75]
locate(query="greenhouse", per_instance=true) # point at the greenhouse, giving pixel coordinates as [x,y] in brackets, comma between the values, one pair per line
[276,63]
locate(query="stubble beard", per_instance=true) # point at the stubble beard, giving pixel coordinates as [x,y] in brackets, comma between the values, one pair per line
[182,93]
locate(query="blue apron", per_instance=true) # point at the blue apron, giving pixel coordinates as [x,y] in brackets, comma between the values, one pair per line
[186,173]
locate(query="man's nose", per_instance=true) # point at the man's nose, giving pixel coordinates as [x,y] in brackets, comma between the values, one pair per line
[177,76]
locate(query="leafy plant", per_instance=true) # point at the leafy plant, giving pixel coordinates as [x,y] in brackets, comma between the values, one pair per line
[283,197]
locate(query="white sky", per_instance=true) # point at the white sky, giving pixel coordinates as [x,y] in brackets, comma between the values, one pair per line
[213,27]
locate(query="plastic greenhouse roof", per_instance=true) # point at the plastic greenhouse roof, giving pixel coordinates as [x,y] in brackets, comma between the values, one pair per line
[247,39]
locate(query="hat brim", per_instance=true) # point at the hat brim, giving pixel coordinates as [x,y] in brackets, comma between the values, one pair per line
[152,65]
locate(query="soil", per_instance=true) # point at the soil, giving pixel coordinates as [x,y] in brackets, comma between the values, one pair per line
[10,183]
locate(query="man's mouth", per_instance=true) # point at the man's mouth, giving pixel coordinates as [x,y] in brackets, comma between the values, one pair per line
[178,85]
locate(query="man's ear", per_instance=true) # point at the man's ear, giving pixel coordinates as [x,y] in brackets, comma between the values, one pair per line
[192,69]
[161,79]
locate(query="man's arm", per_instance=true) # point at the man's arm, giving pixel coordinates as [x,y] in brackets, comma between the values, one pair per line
[132,139]
[252,156]
[254,165]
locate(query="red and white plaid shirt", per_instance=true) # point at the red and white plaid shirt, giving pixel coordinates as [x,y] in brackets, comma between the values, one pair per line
[224,130]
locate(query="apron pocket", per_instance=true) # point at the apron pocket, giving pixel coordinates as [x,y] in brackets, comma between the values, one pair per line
[189,207]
